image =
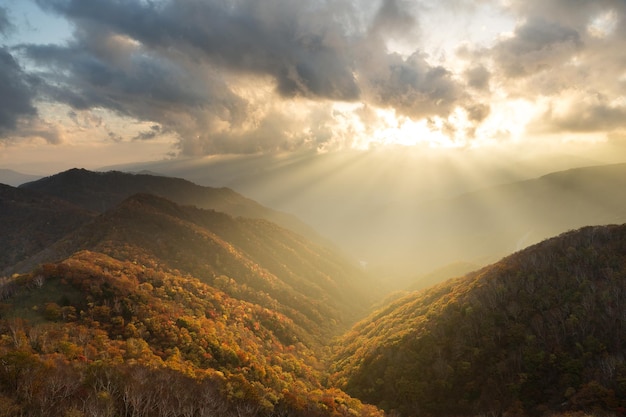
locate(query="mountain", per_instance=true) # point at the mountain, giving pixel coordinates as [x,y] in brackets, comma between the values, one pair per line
[482,226]
[153,308]
[539,331]
[404,214]
[95,336]
[485,225]
[252,259]
[99,191]
[14,178]
[30,222]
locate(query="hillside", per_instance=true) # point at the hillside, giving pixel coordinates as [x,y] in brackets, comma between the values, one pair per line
[485,225]
[153,308]
[30,222]
[251,259]
[540,331]
[100,191]
[95,336]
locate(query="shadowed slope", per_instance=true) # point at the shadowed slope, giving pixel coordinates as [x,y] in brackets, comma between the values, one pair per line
[100,191]
[31,221]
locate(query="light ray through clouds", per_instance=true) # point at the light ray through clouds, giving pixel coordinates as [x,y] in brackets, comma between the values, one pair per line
[210,77]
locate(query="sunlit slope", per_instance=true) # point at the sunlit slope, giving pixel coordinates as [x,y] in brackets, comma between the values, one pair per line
[407,214]
[251,259]
[485,225]
[541,330]
[31,221]
[99,191]
[92,335]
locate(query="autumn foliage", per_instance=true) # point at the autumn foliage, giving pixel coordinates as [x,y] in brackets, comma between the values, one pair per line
[540,331]
[105,337]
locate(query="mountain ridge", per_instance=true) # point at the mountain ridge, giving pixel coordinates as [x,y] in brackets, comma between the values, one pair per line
[99,191]
[534,331]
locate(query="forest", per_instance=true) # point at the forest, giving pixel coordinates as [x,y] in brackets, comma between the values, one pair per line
[142,305]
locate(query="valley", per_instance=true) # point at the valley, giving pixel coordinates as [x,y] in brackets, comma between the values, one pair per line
[140,295]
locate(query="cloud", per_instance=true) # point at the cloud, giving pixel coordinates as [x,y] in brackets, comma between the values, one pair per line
[412,86]
[537,45]
[478,77]
[301,47]
[16,93]
[199,68]
[153,132]
[583,115]
[571,58]
[394,19]
[5,23]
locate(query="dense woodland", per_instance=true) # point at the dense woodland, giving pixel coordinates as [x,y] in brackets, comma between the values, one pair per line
[153,308]
[541,330]
[96,336]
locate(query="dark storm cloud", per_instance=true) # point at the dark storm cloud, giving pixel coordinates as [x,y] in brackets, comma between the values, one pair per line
[16,93]
[153,132]
[100,69]
[302,49]
[173,63]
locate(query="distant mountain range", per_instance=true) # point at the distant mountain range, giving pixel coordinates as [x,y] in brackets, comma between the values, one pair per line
[403,215]
[14,178]
[100,191]
[482,226]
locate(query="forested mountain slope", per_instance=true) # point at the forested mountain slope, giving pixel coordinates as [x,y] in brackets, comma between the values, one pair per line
[31,221]
[100,191]
[156,309]
[95,336]
[543,330]
[251,259]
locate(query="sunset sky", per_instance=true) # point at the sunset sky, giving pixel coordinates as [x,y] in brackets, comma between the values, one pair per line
[101,82]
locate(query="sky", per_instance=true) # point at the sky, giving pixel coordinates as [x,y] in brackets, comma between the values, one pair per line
[96,83]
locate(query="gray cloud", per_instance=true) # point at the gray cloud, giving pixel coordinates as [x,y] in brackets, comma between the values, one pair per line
[565,51]
[393,19]
[16,93]
[5,23]
[478,77]
[172,63]
[583,118]
[566,12]
[413,87]
[537,45]
[153,132]
[477,112]
[303,50]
